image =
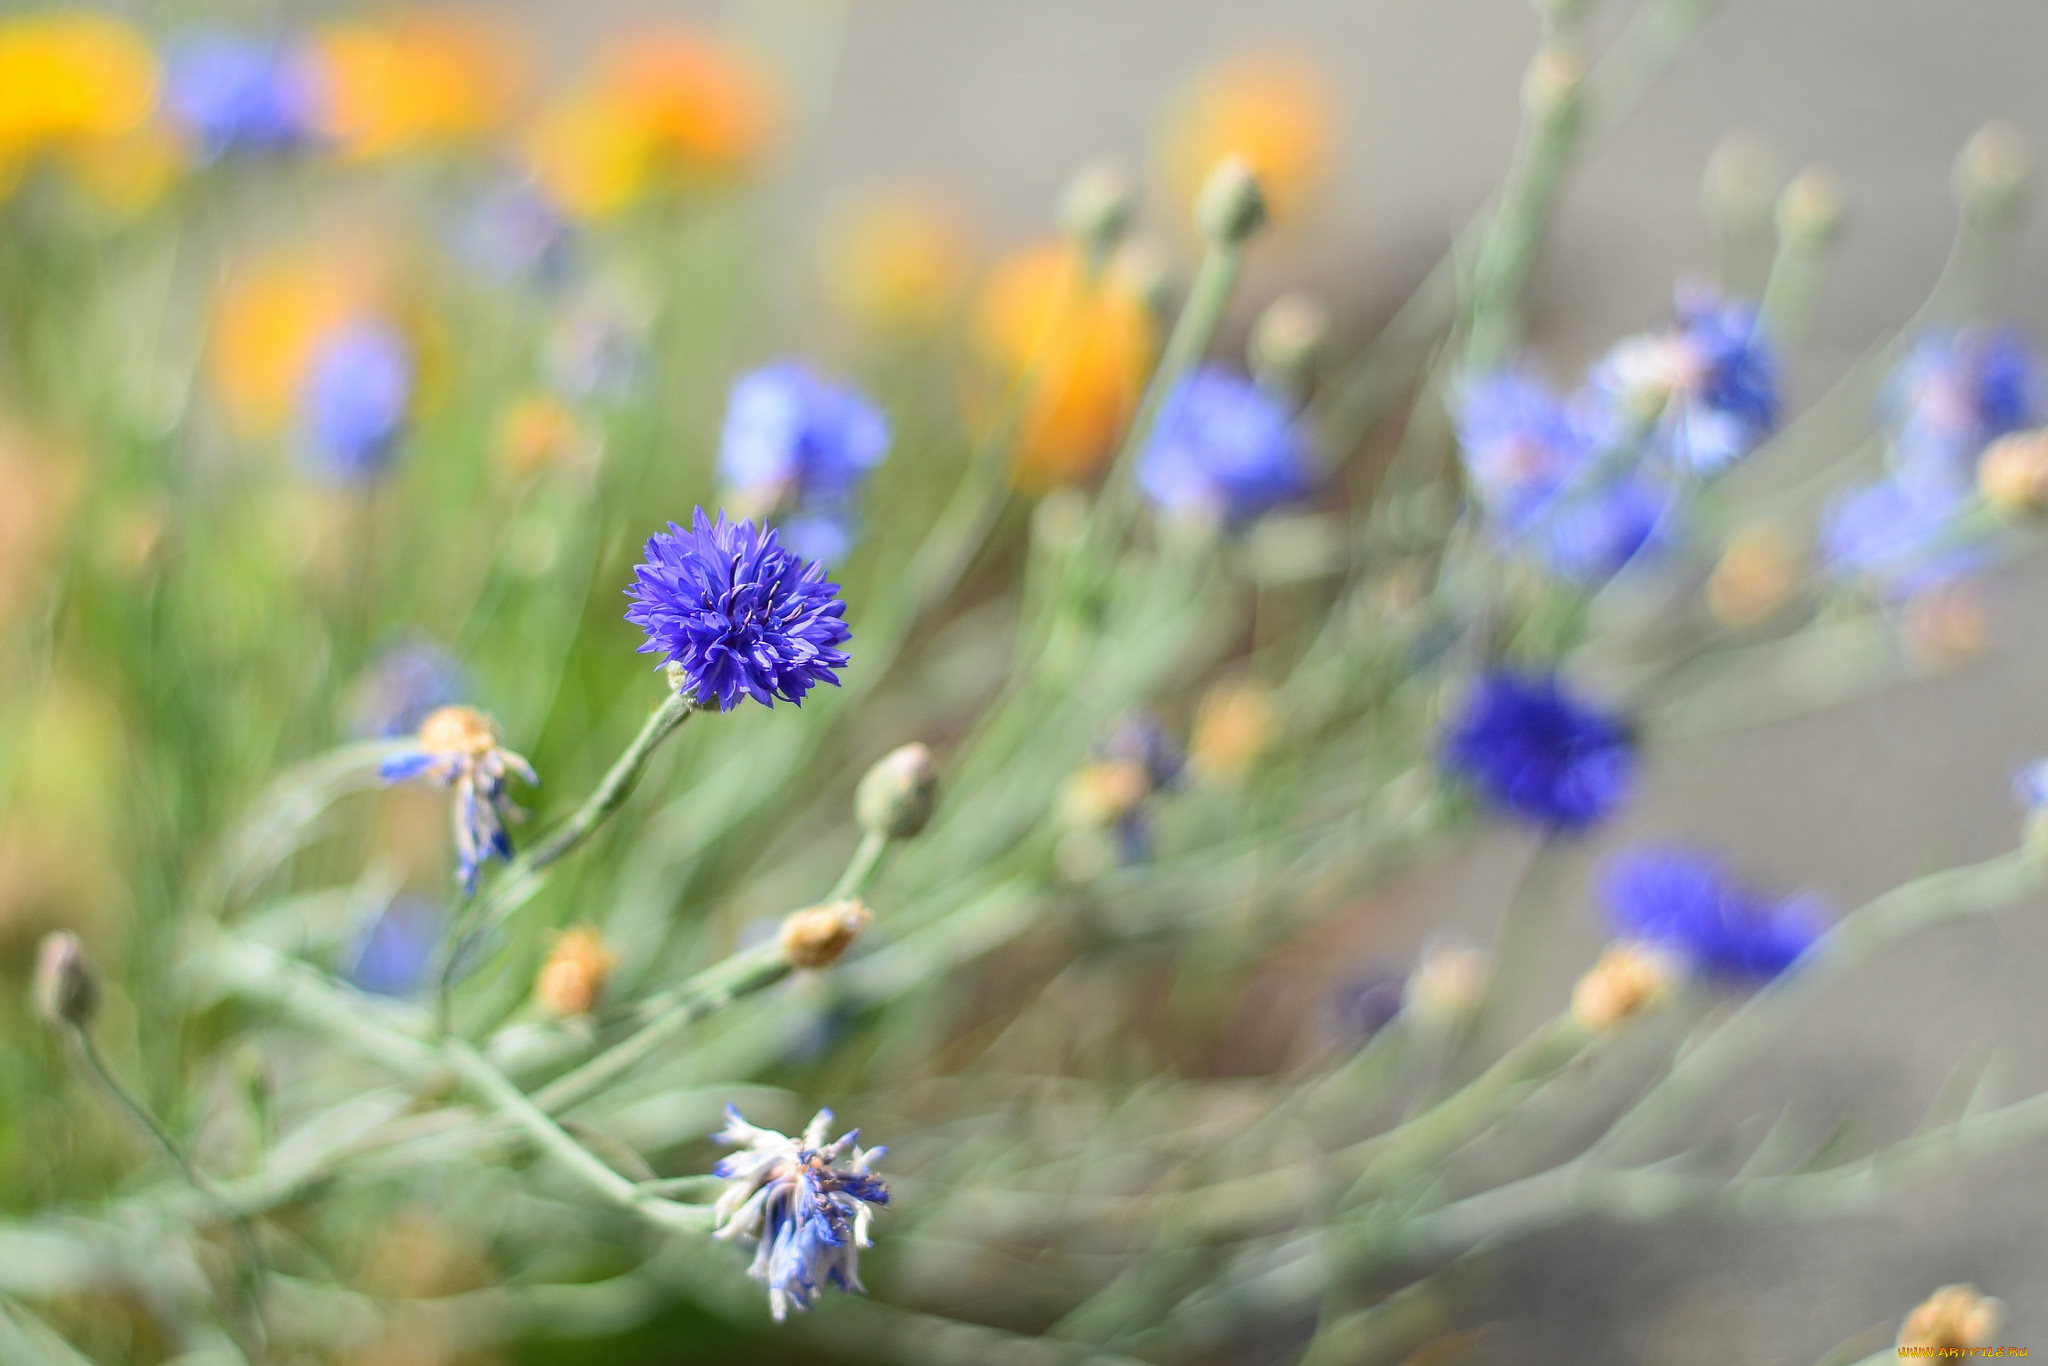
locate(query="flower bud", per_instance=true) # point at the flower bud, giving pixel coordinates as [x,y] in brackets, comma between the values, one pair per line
[1953,1318]
[1095,208]
[1234,726]
[1754,576]
[1628,980]
[1810,210]
[2013,474]
[67,990]
[1100,794]
[1144,271]
[1448,982]
[573,979]
[1945,625]
[1992,170]
[1287,341]
[818,936]
[1230,207]
[1741,176]
[896,796]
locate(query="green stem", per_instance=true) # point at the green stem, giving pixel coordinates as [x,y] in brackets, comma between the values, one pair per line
[612,792]
[861,867]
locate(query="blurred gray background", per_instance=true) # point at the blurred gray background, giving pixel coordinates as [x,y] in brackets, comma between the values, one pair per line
[998,102]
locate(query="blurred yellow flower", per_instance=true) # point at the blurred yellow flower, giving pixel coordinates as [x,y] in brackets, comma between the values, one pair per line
[267,322]
[662,105]
[572,980]
[423,77]
[539,431]
[899,260]
[1080,344]
[1234,726]
[1274,110]
[81,86]
[36,492]
[129,174]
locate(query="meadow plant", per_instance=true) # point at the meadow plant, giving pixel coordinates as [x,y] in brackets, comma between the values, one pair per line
[1144,665]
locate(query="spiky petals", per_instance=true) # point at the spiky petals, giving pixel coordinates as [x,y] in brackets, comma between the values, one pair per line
[806,1203]
[737,614]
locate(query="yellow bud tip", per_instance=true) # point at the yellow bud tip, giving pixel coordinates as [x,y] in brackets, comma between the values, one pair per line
[819,936]
[1550,90]
[458,730]
[2013,473]
[1954,1317]
[1230,207]
[1741,176]
[1992,170]
[1756,573]
[1810,210]
[1099,795]
[1234,727]
[573,979]
[1448,983]
[1628,980]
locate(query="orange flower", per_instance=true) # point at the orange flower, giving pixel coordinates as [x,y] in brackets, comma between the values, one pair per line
[83,86]
[1080,344]
[899,260]
[1274,110]
[267,322]
[589,158]
[424,77]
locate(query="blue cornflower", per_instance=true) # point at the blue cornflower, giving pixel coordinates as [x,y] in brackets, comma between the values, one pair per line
[358,391]
[1686,903]
[460,747]
[737,614]
[807,1205]
[392,955]
[1707,389]
[1900,538]
[1954,394]
[1521,445]
[237,95]
[1590,536]
[1535,752]
[1224,446]
[410,679]
[796,446]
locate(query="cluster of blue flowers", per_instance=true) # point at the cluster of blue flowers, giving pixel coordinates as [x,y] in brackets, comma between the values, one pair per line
[1584,485]
[1955,393]
[1226,448]
[807,1205]
[796,447]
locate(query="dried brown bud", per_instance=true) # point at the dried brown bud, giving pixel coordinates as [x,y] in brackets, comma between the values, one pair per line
[1448,983]
[1628,980]
[896,796]
[1952,1318]
[573,979]
[67,990]
[818,936]
[2013,473]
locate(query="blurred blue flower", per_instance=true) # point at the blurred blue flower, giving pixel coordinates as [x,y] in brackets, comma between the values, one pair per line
[515,232]
[1708,387]
[806,1204]
[738,614]
[1899,539]
[1223,445]
[1521,444]
[410,679]
[394,951]
[235,94]
[1686,902]
[460,747]
[1954,394]
[1589,537]
[1535,752]
[358,391]
[1142,739]
[797,445]
[1368,1004]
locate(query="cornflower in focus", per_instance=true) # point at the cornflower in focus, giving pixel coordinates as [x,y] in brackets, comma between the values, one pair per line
[359,386]
[230,94]
[808,1206]
[1223,447]
[736,615]
[410,680]
[795,447]
[1069,349]
[663,107]
[460,747]
[1533,751]
[1273,111]
[1687,904]
[424,77]
[1706,390]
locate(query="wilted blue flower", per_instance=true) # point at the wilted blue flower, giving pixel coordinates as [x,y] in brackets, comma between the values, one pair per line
[394,951]
[1521,445]
[460,747]
[1687,903]
[1535,752]
[358,391]
[738,614]
[1141,739]
[1590,536]
[410,680]
[797,445]
[237,95]
[1954,394]
[1708,387]
[1223,445]
[807,1205]
[1899,538]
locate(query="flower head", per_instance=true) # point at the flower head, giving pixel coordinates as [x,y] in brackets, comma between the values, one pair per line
[1628,980]
[234,94]
[430,75]
[1954,394]
[1686,903]
[797,445]
[1589,537]
[806,1204]
[1521,444]
[1224,445]
[358,391]
[1534,751]
[738,615]
[1952,1320]
[409,681]
[460,747]
[1901,539]
[391,956]
[1708,387]
[1274,111]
